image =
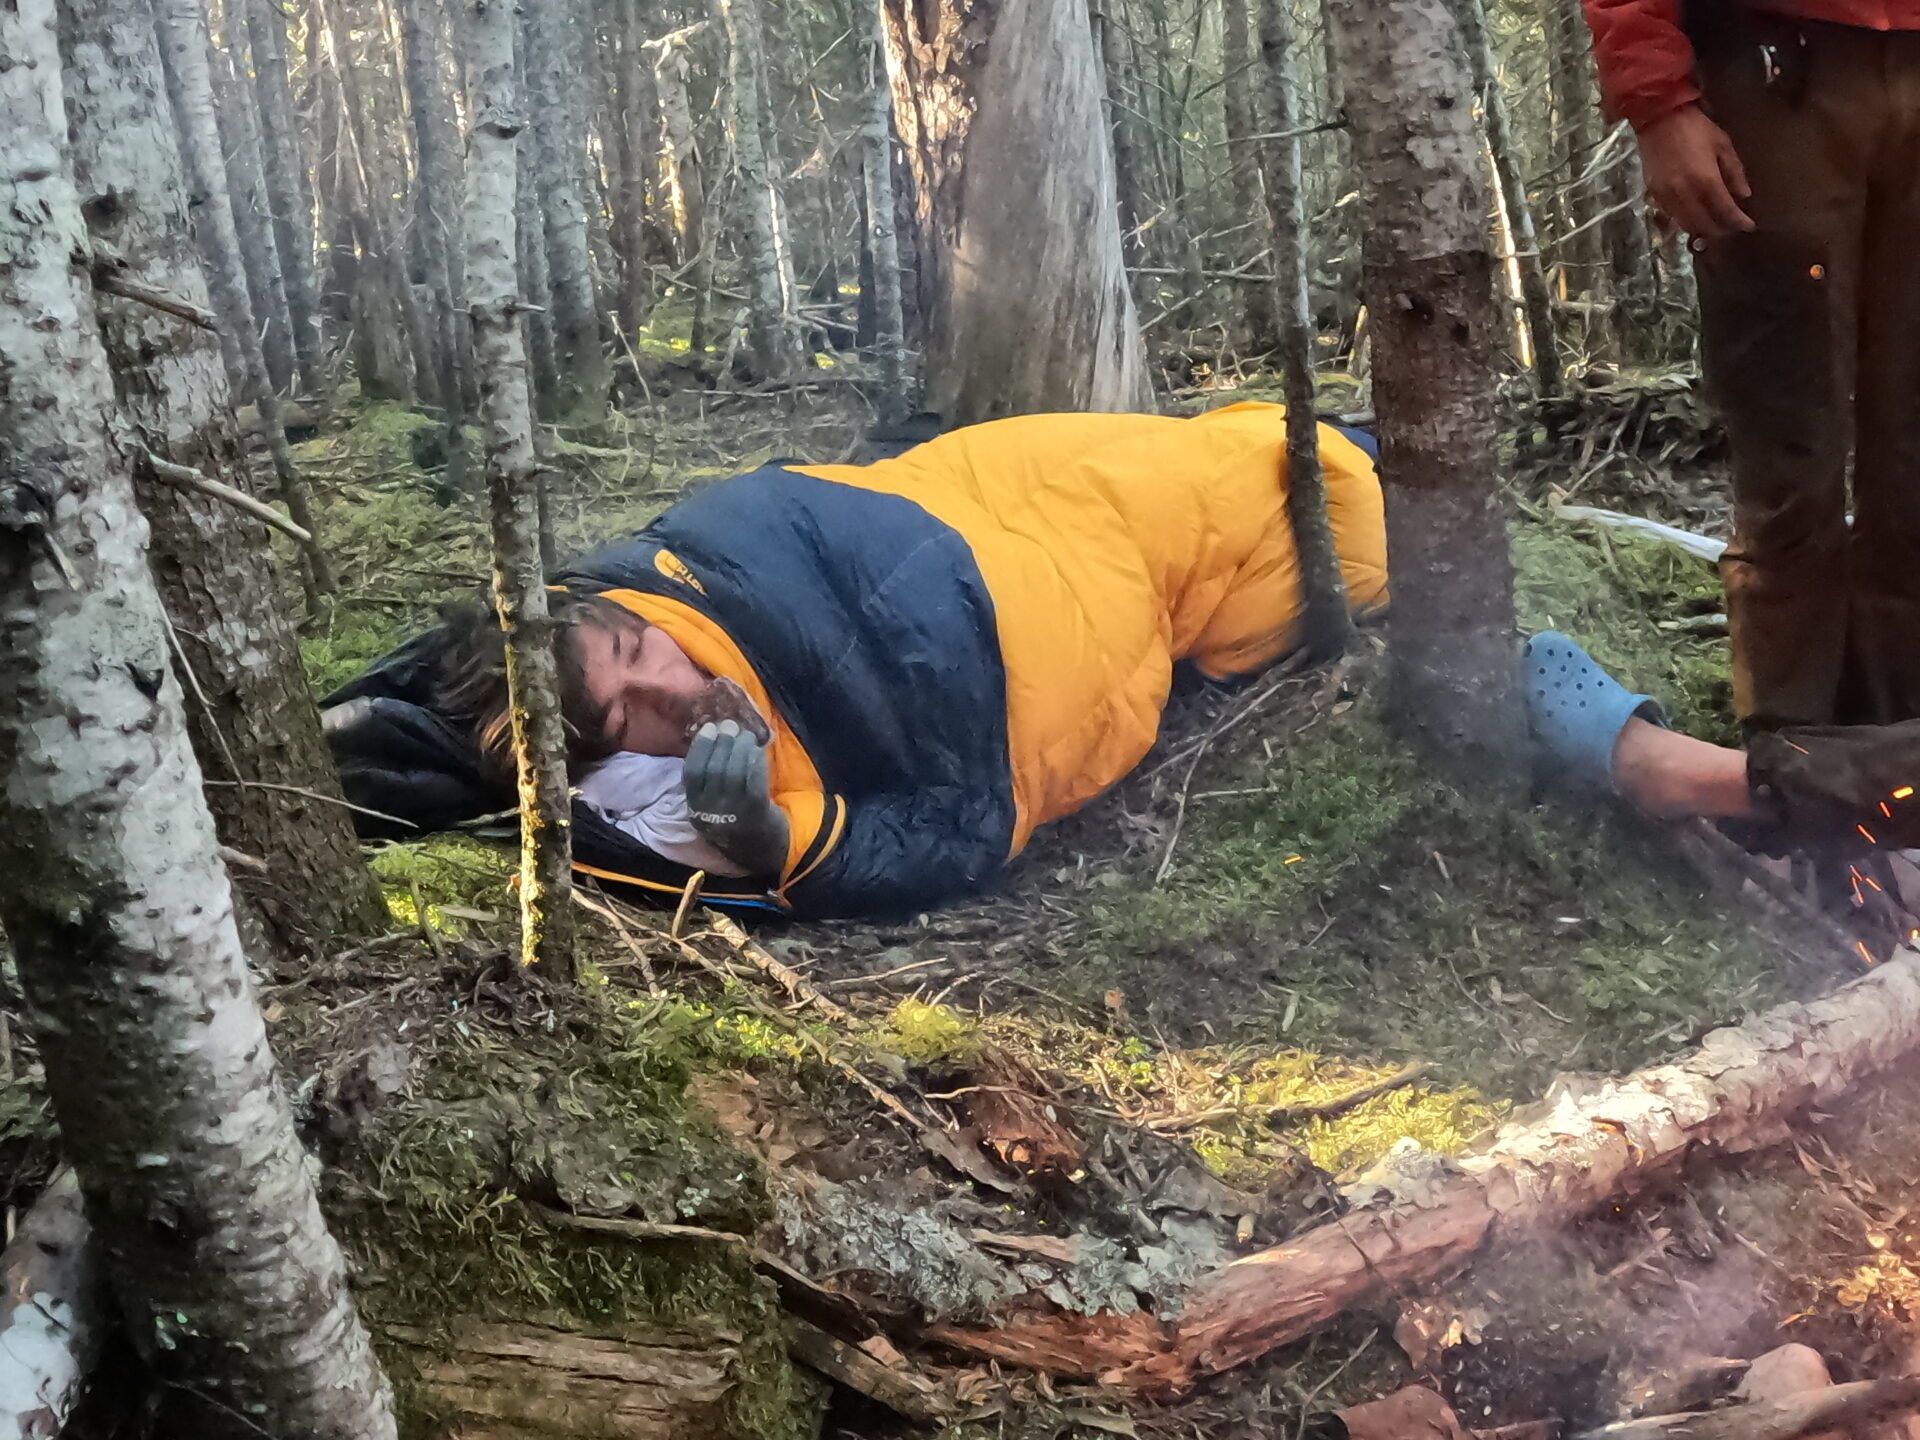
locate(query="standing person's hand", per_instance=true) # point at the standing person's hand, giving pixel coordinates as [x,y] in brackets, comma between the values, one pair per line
[1694,175]
[728,799]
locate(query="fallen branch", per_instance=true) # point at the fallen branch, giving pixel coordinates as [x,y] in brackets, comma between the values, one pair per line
[113,282]
[796,985]
[183,477]
[848,1365]
[1426,1218]
[1837,1407]
[1290,1114]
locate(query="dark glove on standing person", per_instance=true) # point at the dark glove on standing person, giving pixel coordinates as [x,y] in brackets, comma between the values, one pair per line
[728,799]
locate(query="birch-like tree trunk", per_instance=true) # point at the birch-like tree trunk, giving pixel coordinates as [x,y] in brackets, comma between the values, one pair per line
[188,58]
[289,194]
[48,1345]
[633,127]
[111,888]
[1513,188]
[554,56]
[252,719]
[1325,627]
[252,208]
[1244,162]
[1428,278]
[536,328]
[506,415]
[883,244]
[1000,106]
[771,333]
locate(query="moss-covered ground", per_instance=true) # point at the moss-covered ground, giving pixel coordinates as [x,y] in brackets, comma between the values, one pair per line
[1300,909]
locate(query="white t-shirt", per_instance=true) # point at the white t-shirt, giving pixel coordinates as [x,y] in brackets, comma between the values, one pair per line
[646,797]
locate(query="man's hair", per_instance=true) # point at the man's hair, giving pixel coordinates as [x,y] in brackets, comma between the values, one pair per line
[473,678]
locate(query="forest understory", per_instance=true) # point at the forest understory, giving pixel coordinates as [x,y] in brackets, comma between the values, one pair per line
[1187,1020]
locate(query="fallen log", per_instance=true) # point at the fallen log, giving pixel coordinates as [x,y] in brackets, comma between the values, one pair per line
[1423,1218]
[1835,1408]
[54,1317]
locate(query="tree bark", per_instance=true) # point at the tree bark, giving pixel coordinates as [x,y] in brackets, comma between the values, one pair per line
[506,414]
[252,722]
[1428,277]
[436,197]
[633,128]
[189,59]
[56,1316]
[1629,251]
[1513,188]
[1121,107]
[883,244]
[1244,160]
[252,210]
[289,195]
[686,181]
[1325,627]
[1836,1410]
[554,56]
[512,1382]
[536,328]
[111,888]
[1571,83]
[999,103]
[770,320]
[1419,1218]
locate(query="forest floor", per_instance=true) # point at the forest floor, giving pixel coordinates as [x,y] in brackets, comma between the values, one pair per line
[1279,908]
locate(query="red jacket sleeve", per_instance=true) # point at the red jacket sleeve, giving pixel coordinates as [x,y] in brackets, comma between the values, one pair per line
[1645,60]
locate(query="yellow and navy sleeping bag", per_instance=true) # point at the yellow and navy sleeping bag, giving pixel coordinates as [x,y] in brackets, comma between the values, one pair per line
[953,647]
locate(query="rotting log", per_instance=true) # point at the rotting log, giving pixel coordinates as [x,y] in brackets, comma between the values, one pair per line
[1419,1217]
[488,1381]
[54,1315]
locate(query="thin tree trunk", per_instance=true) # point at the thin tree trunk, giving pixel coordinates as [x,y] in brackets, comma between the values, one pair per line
[686,181]
[1122,123]
[770,325]
[111,888]
[554,56]
[1571,84]
[999,103]
[1244,161]
[1629,250]
[537,324]
[506,413]
[633,128]
[189,59]
[436,196]
[1429,287]
[289,196]
[883,246]
[252,720]
[1513,189]
[1325,627]
[252,211]
[383,277]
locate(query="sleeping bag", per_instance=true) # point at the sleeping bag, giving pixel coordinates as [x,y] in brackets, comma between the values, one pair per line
[952,647]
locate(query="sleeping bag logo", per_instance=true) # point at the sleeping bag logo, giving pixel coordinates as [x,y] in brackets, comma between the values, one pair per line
[674,568]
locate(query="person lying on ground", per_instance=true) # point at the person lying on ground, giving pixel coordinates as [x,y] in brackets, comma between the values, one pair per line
[946,650]
[1843,790]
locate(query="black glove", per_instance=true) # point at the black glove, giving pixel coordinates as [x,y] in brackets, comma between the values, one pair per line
[727,798]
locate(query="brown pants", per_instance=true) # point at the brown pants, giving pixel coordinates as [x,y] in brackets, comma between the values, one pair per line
[1811,340]
[1836,790]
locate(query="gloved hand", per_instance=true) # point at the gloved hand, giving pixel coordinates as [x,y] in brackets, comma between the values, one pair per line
[728,799]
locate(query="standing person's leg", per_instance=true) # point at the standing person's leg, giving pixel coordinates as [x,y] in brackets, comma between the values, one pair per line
[1778,338]
[1882,682]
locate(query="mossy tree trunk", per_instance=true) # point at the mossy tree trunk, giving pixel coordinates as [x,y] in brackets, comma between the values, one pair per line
[506,412]
[1325,628]
[252,719]
[1428,279]
[111,888]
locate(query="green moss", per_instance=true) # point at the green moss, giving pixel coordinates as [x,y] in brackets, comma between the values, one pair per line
[924,1034]
[592,1115]
[1611,591]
